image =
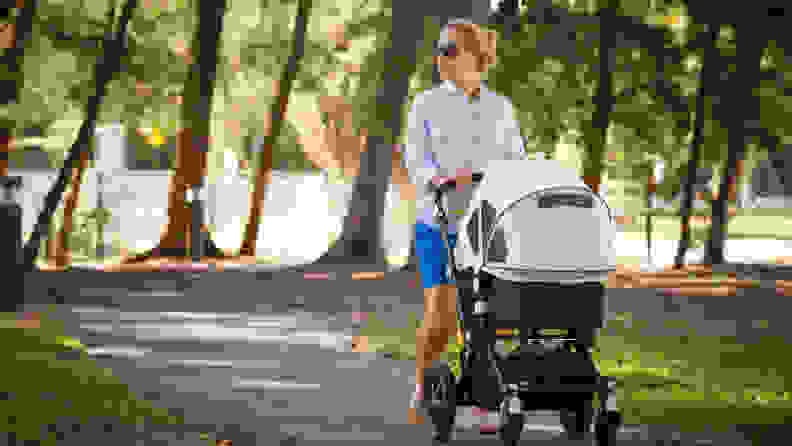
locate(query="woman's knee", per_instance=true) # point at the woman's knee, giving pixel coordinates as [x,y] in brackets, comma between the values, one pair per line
[440,305]
[441,331]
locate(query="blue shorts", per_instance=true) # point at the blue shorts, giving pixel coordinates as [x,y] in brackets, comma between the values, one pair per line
[432,255]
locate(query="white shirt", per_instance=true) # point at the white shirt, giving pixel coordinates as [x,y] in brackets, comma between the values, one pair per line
[446,131]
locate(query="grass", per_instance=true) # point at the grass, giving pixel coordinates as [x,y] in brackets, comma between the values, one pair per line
[747,224]
[691,381]
[630,260]
[80,388]
[739,227]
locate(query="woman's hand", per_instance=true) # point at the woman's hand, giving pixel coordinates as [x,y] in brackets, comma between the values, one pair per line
[464,177]
[439,181]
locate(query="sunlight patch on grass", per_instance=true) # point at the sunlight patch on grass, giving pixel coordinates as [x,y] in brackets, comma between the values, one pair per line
[268,260]
[672,380]
[37,370]
[397,260]
[70,342]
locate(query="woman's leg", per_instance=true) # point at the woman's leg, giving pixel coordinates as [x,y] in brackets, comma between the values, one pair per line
[439,322]
[438,328]
[433,335]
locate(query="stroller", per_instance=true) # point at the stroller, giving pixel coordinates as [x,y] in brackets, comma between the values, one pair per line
[531,257]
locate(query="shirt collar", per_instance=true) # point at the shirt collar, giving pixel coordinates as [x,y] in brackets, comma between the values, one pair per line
[451,87]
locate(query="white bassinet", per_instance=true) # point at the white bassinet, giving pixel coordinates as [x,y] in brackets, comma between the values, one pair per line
[541,223]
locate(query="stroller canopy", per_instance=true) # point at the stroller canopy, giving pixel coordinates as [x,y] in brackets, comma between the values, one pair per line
[507,181]
[536,220]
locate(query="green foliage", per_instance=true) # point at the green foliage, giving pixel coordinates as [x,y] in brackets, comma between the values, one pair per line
[87,222]
[549,70]
[287,154]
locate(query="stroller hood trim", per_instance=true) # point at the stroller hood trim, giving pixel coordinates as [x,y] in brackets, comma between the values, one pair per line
[501,177]
[535,177]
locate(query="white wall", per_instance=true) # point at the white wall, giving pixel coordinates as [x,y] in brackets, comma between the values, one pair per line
[300,212]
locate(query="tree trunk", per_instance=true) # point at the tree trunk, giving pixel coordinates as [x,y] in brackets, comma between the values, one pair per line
[103,73]
[508,15]
[70,200]
[407,193]
[779,157]
[19,33]
[744,108]
[194,139]
[277,116]
[596,134]
[51,245]
[5,148]
[361,238]
[707,72]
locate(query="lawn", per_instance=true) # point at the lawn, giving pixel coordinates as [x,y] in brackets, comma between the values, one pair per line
[625,197]
[80,388]
[739,228]
[691,381]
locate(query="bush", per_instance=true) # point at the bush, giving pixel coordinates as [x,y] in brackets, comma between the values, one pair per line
[84,237]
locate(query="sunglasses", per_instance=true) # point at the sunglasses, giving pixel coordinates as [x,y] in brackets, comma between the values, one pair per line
[450,50]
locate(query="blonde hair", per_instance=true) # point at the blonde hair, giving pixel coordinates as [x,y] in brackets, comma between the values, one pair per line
[472,38]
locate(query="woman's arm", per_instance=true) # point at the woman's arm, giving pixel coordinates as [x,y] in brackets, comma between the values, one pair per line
[421,164]
[513,137]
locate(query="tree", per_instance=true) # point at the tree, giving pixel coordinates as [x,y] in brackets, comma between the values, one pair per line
[147,93]
[707,74]
[104,71]
[278,113]
[194,138]
[62,249]
[596,133]
[744,109]
[15,37]
[361,242]
[774,96]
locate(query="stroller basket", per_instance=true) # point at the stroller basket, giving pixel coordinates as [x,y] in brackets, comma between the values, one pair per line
[536,305]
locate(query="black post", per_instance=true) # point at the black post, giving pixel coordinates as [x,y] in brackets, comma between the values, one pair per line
[101,250]
[196,239]
[649,232]
[11,243]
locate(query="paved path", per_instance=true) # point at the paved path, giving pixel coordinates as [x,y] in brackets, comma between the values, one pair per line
[267,369]
[294,371]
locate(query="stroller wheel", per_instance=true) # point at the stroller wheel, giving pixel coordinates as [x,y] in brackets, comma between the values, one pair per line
[440,394]
[511,429]
[606,427]
[512,421]
[577,422]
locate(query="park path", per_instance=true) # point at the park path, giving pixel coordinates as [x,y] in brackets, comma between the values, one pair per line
[275,366]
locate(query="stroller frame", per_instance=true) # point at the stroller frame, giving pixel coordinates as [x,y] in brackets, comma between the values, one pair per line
[483,379]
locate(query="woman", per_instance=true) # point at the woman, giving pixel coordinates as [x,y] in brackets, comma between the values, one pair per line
[453,130]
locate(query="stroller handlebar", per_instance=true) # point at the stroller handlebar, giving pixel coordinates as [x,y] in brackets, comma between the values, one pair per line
[449,184]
